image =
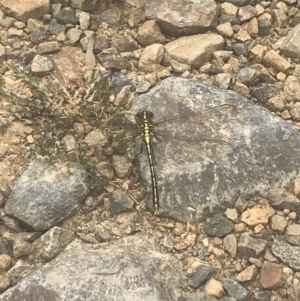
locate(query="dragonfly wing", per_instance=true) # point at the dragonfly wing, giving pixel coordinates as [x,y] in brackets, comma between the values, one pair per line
[189,116]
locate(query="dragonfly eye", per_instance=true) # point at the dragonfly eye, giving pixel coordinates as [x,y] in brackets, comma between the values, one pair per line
[149,114]
[139,115]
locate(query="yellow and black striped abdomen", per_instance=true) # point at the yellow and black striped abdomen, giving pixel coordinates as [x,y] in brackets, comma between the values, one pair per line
[144,119]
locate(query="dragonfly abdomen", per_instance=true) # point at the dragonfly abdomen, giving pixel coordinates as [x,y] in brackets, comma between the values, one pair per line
[144,119]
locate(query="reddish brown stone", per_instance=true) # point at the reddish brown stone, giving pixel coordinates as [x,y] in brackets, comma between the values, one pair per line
[271,275]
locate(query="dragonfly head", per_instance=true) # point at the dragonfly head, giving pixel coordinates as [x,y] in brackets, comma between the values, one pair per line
[144,115]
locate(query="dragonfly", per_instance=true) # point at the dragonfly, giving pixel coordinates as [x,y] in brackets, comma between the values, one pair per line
[183,130]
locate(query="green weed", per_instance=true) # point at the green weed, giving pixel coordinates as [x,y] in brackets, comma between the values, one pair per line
[39,90]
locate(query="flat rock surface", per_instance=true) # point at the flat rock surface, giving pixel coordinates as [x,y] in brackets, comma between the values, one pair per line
[127,269]
[197,175]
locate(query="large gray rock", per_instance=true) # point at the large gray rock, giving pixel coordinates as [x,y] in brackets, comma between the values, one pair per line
[198,178]
[45,195]
[171,15]
[129,269]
